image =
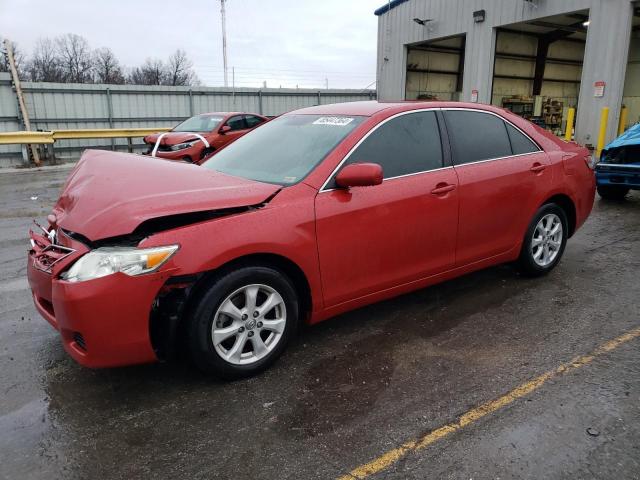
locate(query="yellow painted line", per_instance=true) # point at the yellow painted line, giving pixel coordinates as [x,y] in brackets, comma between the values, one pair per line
[387,459]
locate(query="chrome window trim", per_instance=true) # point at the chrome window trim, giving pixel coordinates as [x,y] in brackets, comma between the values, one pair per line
[396,177]
[498,158]
[434,109]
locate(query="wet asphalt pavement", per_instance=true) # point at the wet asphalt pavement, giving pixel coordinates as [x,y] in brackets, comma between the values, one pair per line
[349,389]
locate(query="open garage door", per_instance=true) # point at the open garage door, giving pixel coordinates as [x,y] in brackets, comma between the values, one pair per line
[538,68]
[435,69]
[631,95]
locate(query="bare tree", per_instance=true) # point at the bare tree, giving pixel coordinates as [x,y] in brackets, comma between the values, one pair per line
[44,65]
[106,67]
[152,72]
[18,58]
[180,69]
[75,58]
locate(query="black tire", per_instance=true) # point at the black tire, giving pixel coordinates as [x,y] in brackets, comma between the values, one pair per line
[199,332]
[612,192]
[206,152]
[528,265]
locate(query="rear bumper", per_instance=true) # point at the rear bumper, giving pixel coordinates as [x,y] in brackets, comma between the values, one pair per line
[102,322]
[620,175]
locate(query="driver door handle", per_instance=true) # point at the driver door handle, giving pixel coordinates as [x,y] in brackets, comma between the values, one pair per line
[537,167]
[443,188]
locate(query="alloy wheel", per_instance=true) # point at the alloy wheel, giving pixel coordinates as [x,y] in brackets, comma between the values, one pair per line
[547,240]
[248,324]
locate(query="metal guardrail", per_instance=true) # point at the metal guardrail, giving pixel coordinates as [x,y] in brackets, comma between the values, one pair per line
[28,138]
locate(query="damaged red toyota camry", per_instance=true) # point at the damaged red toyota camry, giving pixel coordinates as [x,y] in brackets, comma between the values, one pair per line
[315,213]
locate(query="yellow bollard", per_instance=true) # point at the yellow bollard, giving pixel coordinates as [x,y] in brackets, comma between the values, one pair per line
[571,115]
[623,120]
[604,118]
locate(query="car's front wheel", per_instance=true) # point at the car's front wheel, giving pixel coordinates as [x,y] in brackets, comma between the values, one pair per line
[243,322]
[612,192]
[544,241]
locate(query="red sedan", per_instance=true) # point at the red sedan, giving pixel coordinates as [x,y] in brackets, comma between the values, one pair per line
[198,137]
[318,212]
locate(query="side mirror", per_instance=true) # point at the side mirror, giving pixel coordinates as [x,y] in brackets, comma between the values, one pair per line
[360,175]
[224,129]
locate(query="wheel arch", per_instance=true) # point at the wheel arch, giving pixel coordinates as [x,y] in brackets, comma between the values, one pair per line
[279,262]
[566,203]
[167,324]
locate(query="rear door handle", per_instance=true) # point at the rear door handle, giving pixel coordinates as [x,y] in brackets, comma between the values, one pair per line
[443,188]
[537,167]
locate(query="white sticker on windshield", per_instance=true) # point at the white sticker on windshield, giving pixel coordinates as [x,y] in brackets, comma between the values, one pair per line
[335,121]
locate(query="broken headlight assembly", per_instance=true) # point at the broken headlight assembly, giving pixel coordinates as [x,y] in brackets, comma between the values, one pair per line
[182,146]
[109,260]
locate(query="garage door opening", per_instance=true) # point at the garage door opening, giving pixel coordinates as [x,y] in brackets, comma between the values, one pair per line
[538,66]
[631,95]
[435,69]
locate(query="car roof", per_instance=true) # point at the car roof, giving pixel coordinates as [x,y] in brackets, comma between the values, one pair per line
[369,108]
[226,114]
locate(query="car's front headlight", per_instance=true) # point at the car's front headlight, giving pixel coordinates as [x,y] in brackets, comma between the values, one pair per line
[108,260]
[182,146]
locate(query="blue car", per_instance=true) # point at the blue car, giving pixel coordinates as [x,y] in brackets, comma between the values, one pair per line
[619,168]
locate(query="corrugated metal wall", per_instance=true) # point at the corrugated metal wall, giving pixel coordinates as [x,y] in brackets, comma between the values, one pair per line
[606,47]
[54,106]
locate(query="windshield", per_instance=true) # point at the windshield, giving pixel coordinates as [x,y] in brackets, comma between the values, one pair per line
[199,123]
[283,151]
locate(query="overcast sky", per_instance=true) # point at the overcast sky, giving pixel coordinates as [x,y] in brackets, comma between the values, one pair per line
[285,42]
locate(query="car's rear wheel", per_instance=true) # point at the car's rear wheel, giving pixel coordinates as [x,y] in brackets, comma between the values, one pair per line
[612,192]
[544,241]
[243,322]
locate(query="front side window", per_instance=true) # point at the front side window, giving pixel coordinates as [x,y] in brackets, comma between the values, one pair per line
[409,143]
[199,123]
[236,123]
[476,136]
[284,150]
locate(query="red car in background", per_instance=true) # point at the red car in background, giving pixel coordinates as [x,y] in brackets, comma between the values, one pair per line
[198,137]
[318,212]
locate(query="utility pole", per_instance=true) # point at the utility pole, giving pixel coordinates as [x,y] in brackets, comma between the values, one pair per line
[224,41]
[18,87]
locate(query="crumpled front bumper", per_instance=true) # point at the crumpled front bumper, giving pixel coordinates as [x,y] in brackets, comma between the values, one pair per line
[103,322]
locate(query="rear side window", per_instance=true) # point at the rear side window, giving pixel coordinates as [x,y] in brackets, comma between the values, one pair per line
[519,142]
[407,144]
[476,136]
[252,121]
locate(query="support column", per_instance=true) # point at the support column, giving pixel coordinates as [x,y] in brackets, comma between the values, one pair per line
[605,59]
[110,115]
[479,62]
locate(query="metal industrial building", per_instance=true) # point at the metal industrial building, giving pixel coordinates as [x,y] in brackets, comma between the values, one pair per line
[536,57]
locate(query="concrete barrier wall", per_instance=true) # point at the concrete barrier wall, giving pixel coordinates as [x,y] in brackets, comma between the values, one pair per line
[59,106]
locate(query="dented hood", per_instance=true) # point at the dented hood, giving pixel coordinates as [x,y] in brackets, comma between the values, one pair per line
[109,194]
